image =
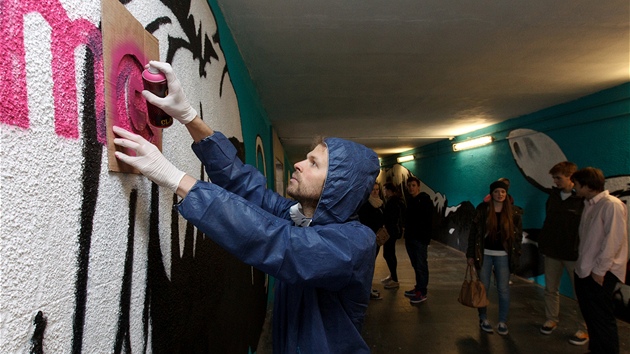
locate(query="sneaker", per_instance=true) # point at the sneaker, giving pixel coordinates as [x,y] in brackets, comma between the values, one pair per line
[410,293]
[579,338]
[418,298]
[502,329]
[374,291]
[548,327]
[392,285]
[486,326]
[386,279]
[375,296]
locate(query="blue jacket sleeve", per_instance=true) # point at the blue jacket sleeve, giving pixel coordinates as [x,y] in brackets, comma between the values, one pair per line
[225,169]
[320,256]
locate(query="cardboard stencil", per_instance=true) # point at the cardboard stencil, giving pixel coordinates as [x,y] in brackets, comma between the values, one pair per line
[127,47]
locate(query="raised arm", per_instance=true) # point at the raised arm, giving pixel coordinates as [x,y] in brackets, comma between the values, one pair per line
[176,104]
[241,179]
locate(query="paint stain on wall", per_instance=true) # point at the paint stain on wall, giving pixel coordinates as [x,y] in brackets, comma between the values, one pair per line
[65,37]
[127,47]
[176,310]
[131,107]
[37,341]
[92,153]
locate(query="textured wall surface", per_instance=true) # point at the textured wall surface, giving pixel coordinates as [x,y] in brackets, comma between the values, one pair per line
[93,261]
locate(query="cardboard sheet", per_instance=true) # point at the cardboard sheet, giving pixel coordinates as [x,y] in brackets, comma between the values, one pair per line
[127,47]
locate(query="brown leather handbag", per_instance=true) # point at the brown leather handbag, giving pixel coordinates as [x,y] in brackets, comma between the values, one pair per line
[473,293]
[382,236]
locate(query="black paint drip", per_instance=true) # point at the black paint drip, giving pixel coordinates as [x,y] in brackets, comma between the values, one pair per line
[38,335]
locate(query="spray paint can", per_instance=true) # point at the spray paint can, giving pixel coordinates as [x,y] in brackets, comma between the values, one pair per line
[155,82]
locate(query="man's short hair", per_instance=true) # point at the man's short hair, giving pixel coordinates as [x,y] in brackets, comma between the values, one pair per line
[319,140]
[590,177]
[413,179]
[564,168]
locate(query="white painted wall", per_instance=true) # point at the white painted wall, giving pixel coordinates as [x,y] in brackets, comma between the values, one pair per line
[41,189]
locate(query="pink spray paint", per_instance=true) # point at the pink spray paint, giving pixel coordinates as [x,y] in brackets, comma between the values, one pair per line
[65,37]
[126,86]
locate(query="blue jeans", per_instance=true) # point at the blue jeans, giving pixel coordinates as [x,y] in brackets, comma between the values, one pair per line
[418,257]
[502,277]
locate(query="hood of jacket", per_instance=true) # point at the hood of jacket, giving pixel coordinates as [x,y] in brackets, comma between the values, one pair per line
[352,171]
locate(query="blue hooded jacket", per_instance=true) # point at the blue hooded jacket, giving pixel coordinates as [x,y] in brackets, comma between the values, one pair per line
[323,272]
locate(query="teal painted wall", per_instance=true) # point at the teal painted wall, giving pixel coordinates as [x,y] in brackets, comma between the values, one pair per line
[591,131]
[254,119]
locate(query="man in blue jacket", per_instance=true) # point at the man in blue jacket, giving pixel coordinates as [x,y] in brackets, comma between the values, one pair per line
[320,254]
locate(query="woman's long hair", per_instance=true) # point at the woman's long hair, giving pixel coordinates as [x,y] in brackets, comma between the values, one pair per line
[505,225]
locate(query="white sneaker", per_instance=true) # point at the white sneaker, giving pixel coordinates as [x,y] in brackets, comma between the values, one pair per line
[375,295]
[502,328]
[392,285]
[548,327]
[486,326]
[579,338]
[386,279]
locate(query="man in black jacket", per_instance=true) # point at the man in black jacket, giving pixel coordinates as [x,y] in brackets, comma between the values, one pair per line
[559,243]
[418,231]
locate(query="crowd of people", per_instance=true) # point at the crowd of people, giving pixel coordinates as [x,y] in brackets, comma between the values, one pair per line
[584,233]
[323,257]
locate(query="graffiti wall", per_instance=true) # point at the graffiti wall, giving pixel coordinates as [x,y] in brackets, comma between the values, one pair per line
[96,261]
[592,131]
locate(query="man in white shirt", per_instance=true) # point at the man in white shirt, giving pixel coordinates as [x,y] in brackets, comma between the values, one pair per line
[602,259]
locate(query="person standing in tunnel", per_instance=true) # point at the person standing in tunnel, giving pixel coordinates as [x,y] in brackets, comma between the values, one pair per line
[371,215]
[320,254]
[394,222]
[494,247]
[418,233]
[602,258]
[559,242]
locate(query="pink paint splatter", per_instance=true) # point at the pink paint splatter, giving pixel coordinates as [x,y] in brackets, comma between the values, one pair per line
[66,36]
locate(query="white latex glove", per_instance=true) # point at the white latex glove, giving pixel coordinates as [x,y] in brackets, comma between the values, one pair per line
[148,160]
[175,104]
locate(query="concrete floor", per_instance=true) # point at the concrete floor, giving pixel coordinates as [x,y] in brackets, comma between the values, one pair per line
[442,325]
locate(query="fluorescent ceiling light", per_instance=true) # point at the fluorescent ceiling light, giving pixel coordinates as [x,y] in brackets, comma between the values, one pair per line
[405,158]
[473,143]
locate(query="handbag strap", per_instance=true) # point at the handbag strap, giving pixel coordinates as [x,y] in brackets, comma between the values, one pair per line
[468,275]
[471,274]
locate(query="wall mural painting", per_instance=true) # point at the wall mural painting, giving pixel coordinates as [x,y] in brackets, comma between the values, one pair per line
[92,154]
[186,305]
[261,163]
[179,307]
[66,35]
[444,217]
[535,153]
